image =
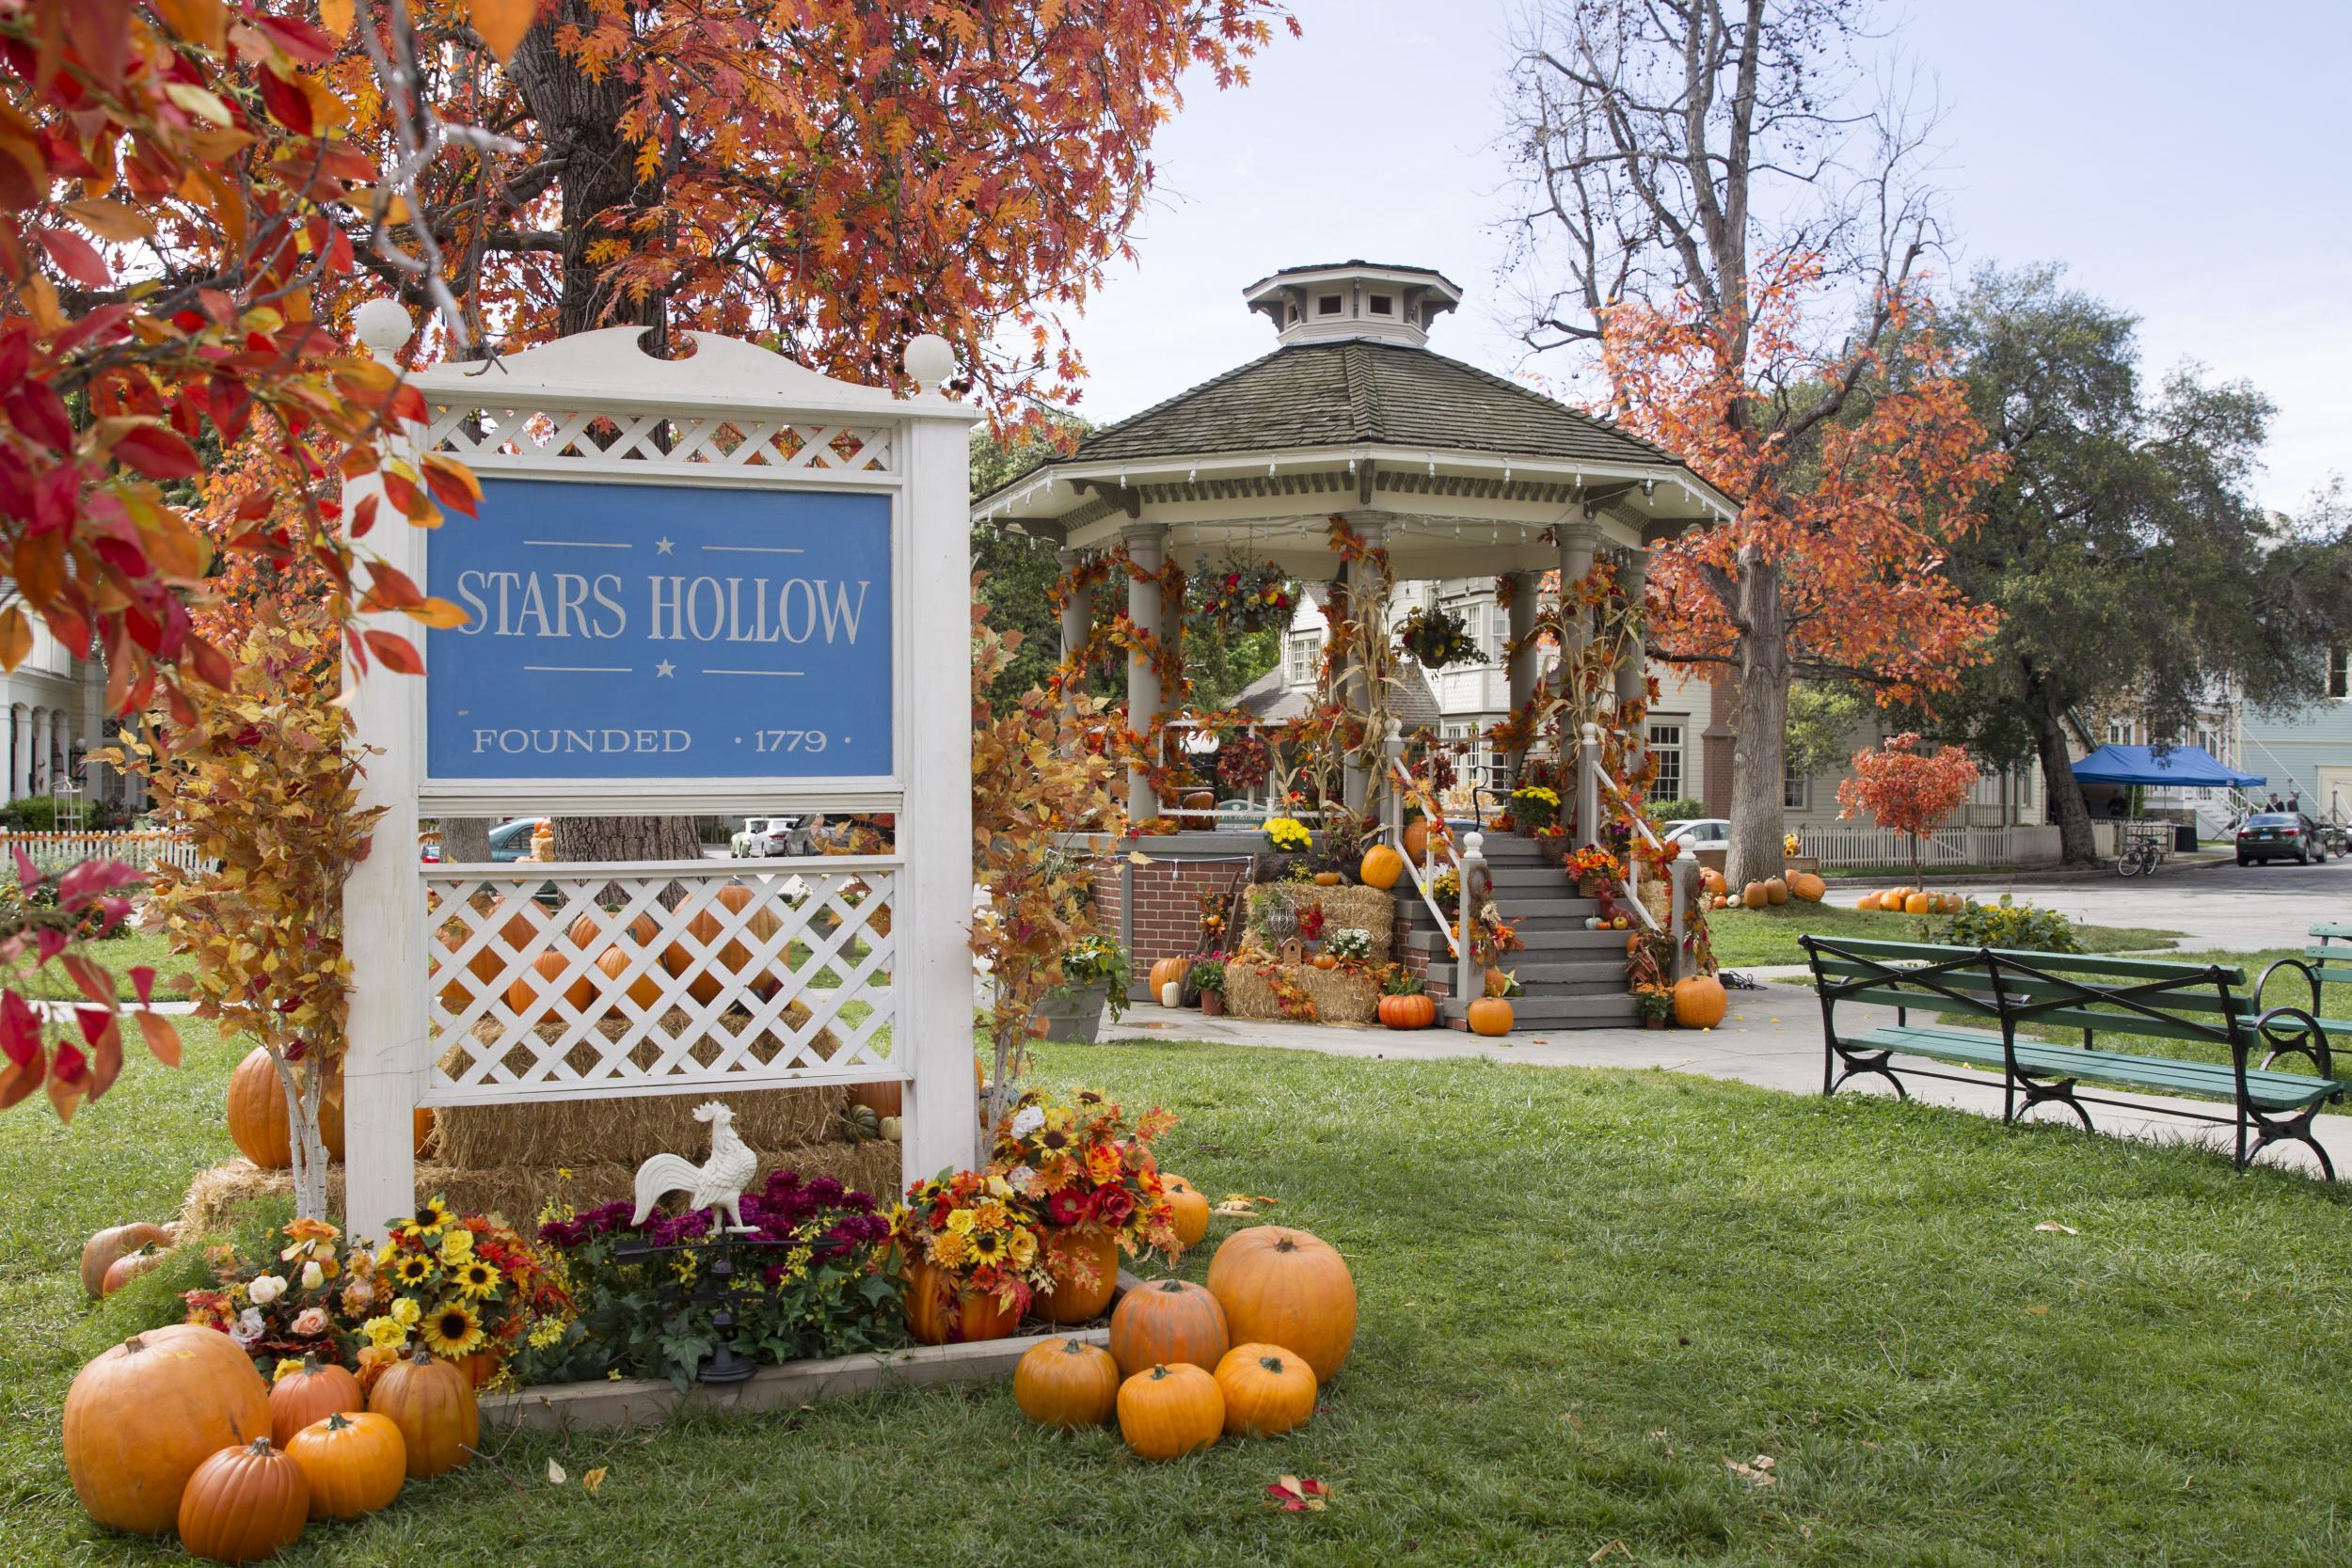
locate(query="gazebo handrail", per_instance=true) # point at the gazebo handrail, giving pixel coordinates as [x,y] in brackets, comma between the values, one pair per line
[1423,884]
[1631,882]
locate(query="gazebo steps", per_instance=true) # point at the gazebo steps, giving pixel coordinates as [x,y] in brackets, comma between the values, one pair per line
[1612,1009]
[1608,970]
[1428,944]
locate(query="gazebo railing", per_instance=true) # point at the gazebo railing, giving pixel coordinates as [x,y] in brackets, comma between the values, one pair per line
[1592,780]
[1425,872]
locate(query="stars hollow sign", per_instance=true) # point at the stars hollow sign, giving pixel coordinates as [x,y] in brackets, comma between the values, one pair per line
[661,630]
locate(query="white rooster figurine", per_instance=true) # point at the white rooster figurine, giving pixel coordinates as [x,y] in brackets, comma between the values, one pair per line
[717,1183]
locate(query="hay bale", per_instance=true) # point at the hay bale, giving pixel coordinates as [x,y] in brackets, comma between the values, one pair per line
[628,1129]
[1340,997]
[516,1193]
[1366,907]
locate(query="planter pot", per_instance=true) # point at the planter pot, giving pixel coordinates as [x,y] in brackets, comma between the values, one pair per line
[1071,1252]
[939,1313]
[1591,887]
[1653,1023]
[1075,1013]
[1211,1004]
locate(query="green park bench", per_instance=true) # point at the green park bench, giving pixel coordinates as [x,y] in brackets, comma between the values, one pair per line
[2326,962]
[2203,1004]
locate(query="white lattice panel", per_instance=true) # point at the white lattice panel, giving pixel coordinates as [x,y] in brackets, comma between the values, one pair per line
[553,437]
[705,993]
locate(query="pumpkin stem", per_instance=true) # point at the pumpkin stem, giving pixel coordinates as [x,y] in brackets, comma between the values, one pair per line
[259,1446]
[1158,1372]
[337,1420]
[1286,1244]
[1271,1363]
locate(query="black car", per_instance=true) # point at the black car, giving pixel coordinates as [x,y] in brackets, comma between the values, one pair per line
[2275,835]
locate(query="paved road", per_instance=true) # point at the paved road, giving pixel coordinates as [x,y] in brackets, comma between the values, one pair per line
[2216,906]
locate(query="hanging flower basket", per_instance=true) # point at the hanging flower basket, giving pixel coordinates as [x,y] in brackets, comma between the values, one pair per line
[1238,596]
[1437,637]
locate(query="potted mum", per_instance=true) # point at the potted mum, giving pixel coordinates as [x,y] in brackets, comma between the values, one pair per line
[1532,805]
[1094,975]
[1208,977]
[1653,1006]
[973,1256]
[1088,1179]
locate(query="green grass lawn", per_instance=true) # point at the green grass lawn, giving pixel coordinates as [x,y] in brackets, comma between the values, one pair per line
[1582,1293]
[1749,938]
[122,954]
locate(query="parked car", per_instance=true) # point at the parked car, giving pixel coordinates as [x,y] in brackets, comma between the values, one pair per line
[2274,835]
[1700,833]
[764,837]
[511,841]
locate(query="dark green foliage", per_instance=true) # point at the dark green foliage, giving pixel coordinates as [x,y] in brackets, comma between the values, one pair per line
[2011,925]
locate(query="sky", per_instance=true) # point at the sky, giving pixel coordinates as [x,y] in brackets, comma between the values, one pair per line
[2188,171]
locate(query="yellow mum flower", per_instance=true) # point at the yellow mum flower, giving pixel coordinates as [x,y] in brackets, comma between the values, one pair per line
[949,1251]
[406,1312]
[452,1329]
[961,1221]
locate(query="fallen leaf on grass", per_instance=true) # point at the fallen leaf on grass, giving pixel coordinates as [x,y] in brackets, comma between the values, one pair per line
[1292,1495]
[594,1479]
[555,1474]
[2060,1229]
[1611,1545]
[1757,1472]
[1242,1203]
[2036,1310]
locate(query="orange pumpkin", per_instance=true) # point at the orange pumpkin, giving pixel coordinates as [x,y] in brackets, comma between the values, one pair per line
[1084,1261]
[141,1417]
[939,1312]
[486,965]
[129,1267]
[1755,896]
[1289,1288]
[1417,840]
[1268,1390]
[353,1463]
[885,1099]
[1167,1412]
[735,958]
[100,1252]
[1188,1210]
[1490,1015]
[310,1393]
[244,1504]
[1066,1384]
[257,1113]
[588,931]
[1919,903]
[1329,879]
[1166,1321]
[433,1405]
[1867,901]
[1807,886]
[1417,1011]
[1710,879]
[1775,890]
[1380,868]
[1700,1002]
[1167,972]
[546,971]
[1325,961]
[645,991]
[1199,799]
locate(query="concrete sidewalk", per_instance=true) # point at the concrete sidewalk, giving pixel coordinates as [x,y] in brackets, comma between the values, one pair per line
[1772,1039]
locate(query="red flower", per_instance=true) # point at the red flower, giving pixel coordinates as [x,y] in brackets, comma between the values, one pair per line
[1066,1208]
[1113,1206]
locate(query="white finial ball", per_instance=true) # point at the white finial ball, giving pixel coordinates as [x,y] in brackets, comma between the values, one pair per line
[931,359]
[383,327]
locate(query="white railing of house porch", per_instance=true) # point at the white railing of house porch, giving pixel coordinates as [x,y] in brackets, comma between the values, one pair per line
[145,848]
[487,1046]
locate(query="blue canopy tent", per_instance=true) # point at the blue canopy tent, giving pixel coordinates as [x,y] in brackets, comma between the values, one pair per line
[2180,767]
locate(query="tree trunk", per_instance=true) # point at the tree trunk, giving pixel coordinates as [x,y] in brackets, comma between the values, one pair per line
[466,840]
[1759,797]
[627,838]
[304,1087]
[2077,846]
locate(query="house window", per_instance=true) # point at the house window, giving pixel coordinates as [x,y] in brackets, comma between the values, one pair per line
[1383,305]
[1477,762]
[1305,651]
[1795,788]
[1665,745]
[2122,732]
[2340,671]
[1328,305]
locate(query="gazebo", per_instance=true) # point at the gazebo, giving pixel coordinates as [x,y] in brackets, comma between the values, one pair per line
[1442,470]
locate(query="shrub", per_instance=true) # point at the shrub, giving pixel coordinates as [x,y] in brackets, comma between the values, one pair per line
[2009,923]
[1677,811]
[1208,974]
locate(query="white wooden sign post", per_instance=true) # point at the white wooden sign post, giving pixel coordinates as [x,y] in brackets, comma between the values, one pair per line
[716,584]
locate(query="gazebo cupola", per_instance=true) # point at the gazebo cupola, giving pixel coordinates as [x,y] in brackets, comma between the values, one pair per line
[1450,470]
[1353,299]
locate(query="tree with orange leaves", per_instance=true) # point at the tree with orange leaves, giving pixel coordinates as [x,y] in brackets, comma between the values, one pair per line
[1907,788]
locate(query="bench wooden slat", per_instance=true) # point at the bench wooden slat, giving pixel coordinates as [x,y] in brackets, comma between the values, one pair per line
[2057,964]
[2325,929]
[2272,1091]
[1980,985]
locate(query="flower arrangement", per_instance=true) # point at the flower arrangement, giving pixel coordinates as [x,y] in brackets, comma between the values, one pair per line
[1446,889]
[1311,921]
[1243,763]
[973,1228]
[1208,974]
[1504,823]
[1653,1006]
[1083,1165]
[1551,832]
[1238,596]
[1092,959]
[1287,835]
[1594,864]
[1396,980]
[1437,637]
[1213,902]
[474,1286]
[1351,944]
[823,1290]
[1491,937]
[1791,845]
[302,1300]
[1535,803]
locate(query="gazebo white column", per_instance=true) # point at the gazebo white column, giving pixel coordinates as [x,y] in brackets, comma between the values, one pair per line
[1147,548]
[20,751]
[1524,664]
[1077,614]
[1355,684]
[1632,668]
[1580,542]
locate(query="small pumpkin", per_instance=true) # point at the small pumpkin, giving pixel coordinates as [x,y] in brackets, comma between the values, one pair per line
[1490,1015]
[1417,1011]
[100,1252]
[1755,897]
[1067,1384]
[143,1415]
[645,991]
[1268,1390]
[885,1099]
[1325,961]
[244,1504]
[1867,901]
[1187,1208]
[1700,1002]
[129,1267]
[1084,1261]
[1169,971]
[1775,890]
[257,1113]
[547,972]
[1329,879]
[312,1392]
[939,1312]
[353,1463]
[1380,867]
[1167,1322]
[1417,840]
[433,1405]
[1919,903]
[1166,1412]
[1289,1288]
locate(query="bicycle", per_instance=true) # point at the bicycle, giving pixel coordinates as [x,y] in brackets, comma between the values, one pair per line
[2139,854]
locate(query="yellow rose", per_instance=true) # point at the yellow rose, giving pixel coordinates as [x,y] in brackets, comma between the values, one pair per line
[961,1222]
[456,1246]
[406,1312]
[1021,1247]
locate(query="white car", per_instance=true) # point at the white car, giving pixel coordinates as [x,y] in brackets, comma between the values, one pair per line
[1701,832]
[763,837]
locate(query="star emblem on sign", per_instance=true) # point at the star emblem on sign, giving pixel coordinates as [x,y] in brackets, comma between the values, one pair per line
[663,546]
[665,669]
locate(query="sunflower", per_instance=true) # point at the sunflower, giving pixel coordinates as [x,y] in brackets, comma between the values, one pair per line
[987,1246]
[451,1329]
[477,1278]
[413,1268]
[433,1217]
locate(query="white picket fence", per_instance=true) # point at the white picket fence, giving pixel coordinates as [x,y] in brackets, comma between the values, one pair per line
[1971,844]
[145,848]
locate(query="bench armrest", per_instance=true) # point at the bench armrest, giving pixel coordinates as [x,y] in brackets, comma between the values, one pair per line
[2288,1031]
[2311,980]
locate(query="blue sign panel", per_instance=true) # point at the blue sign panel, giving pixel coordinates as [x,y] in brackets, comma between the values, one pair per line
[661,631]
